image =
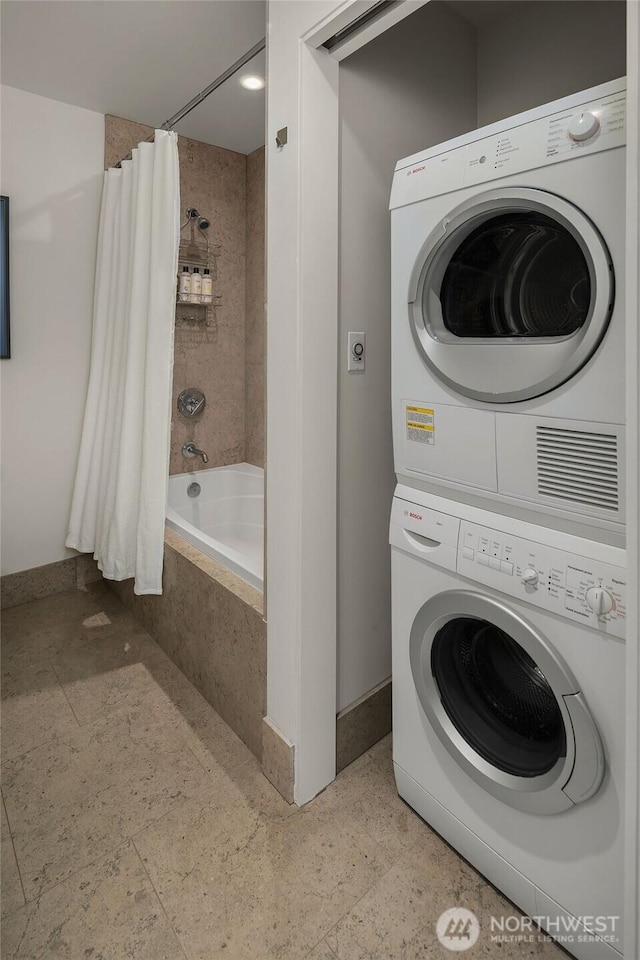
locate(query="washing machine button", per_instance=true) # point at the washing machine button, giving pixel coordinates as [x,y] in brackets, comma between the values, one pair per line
[483,560]
[599,600]
[467,553]
[494,563]
[506,567]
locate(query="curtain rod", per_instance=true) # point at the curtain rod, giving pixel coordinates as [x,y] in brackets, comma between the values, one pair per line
[192,104]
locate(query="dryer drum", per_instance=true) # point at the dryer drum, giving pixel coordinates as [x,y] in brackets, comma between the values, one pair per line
[518,274]
[510,295]
[497,697]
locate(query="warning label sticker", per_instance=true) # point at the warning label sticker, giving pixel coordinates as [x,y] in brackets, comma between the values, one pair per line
[420,425]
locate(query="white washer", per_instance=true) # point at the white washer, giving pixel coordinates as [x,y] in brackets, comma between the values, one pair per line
[507,334]
[508,706]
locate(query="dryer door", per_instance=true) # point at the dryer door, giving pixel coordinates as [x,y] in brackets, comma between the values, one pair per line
[511,295]
[504,704]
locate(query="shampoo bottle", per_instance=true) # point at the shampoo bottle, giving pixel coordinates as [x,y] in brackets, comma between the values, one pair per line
[196,286]
[207,287]
[184,290]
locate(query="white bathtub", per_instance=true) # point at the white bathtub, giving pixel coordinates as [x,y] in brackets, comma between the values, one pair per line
[226,520]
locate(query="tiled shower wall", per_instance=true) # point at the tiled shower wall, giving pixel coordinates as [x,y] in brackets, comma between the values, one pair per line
[225,360]
[254,316]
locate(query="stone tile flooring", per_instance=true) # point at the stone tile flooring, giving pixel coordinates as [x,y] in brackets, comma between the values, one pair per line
[135,824]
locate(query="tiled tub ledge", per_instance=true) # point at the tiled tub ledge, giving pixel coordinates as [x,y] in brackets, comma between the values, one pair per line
[210,623]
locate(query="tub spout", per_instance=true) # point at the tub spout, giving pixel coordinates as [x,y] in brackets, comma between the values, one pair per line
[189,450]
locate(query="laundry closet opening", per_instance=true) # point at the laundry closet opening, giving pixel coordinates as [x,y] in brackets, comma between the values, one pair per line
[447,69]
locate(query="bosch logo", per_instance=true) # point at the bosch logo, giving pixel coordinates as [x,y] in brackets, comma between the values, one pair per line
[418,169]
[416,516]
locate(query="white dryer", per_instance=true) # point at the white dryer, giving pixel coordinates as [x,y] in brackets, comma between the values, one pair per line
[507,319]
[508,707]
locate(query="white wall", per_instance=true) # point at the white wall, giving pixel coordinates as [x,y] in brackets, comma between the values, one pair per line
[52,161]
[301,390]
[393,102]
[546,49]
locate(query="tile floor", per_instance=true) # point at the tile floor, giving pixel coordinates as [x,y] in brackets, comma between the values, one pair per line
[135,824]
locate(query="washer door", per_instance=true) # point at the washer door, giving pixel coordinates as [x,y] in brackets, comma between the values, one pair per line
[511,295]
[504,704]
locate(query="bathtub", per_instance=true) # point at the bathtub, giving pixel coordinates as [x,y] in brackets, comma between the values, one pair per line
[226,519]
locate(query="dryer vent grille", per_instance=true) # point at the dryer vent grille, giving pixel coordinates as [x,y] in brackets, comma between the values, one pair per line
[578,466]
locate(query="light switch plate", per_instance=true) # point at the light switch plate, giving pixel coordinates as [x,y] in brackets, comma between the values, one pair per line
[356,351]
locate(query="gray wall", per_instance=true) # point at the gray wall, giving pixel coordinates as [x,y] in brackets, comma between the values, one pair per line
[546,49]
[412,87]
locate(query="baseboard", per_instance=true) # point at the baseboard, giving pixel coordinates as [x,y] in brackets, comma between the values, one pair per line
[362,724]
[45,581]
[277,759]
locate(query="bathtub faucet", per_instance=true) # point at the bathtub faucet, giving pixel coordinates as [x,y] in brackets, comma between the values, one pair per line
[189,449]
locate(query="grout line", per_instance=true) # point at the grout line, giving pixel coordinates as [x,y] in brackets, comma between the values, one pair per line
[102,858]
[153,887]
[55,673]
[222,770]
[129,838]
[56,736]
[323,940]
[198,760]
[65,733]
[355,904]
[13,846]
[205,789]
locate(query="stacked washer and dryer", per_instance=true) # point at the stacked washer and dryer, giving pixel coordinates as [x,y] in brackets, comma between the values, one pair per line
[507,525]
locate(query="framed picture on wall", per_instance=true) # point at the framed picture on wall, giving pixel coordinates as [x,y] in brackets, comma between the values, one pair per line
[5,342]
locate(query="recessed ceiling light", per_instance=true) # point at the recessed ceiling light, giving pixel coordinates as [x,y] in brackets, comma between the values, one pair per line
[252,83]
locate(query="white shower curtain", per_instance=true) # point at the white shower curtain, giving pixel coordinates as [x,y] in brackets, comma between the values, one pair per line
[119,500]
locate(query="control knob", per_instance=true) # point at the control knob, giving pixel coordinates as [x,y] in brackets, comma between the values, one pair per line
[583,127]
[599,600]
[530,577]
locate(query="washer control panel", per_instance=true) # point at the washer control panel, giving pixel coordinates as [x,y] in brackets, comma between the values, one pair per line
[584,590]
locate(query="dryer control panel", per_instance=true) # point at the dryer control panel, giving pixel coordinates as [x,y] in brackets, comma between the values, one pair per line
[585,590]
[574,126]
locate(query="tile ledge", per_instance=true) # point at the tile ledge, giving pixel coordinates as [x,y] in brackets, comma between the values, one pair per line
[236,585]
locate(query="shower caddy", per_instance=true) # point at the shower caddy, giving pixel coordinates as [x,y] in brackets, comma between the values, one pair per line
[196,251]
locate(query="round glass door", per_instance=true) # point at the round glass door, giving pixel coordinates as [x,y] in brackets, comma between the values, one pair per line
[519,274]
[511,295]
[497,697]
[503,703]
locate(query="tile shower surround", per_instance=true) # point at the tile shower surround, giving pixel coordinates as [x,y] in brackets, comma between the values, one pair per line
[227,359]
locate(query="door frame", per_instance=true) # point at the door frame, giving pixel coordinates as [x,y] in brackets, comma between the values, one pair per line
[302,374]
